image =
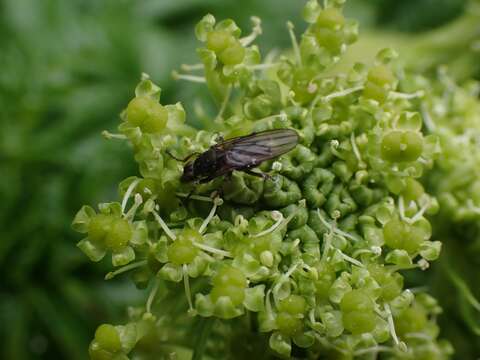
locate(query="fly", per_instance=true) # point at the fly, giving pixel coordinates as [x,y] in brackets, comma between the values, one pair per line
[241,153]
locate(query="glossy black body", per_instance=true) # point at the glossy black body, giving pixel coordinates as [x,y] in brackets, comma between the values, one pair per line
[241,153]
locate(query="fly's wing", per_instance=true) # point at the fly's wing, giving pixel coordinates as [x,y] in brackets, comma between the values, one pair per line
[251,150]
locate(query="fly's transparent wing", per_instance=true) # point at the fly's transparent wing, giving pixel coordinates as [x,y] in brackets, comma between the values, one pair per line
[251,150]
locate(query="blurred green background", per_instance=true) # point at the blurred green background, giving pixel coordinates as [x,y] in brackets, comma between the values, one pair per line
[67,68]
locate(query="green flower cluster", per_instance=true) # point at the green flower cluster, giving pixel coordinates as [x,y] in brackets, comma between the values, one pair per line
[311,255]
[452,112]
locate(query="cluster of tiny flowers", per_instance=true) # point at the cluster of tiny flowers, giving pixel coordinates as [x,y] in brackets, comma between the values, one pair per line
[312,254]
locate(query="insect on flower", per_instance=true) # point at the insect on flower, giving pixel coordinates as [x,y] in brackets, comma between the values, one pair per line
[241,153]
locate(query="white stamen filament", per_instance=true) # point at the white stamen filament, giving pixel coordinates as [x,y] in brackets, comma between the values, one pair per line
[186,284]
[151,296]
[268,304]
[352,260]
[257,30]
[374,350]
[375,250]
[195,197]
[293,38]
[262,66]
[342,93]
[419,214]
[356,151]
[108,135]
[129,191]
[334,144]
[427,119]
[125,268]
[131,213]
[225,101]
[285,276]
[421,336]
[401,208]
[216,202]
[186,77]
[187,67]
[335,229]
[164,226]
[391,326]
[399,95]
[276,215]
[282,116]
[212,249]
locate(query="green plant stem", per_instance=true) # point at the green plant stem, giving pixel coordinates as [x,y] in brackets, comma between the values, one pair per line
[204,330]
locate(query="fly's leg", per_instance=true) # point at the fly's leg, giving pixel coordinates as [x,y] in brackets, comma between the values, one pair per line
[262,175]
[180,159]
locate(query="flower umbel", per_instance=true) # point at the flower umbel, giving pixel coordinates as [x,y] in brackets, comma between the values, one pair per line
[310,255]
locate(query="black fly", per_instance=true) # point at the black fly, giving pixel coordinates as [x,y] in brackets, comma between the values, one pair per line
[240,153]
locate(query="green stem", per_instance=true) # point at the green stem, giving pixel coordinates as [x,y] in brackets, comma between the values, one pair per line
[204,330]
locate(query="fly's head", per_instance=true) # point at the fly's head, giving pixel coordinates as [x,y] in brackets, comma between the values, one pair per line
[188,175]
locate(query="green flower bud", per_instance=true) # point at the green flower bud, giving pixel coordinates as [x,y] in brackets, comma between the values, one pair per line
[288,324]
[280,192]
[255,298]
[330,39]
[411,320]
[333,323]
[399,257]
[317,186]
[107,338]
[219,40]
[235,293]
[413,190]
[293,304]
[182,251]
[356,300]
[298,163]
[99,228]
[301,85]
[233,54]
[340,202]
[243,189]
[119,234]
[299,219]
[147,114]
[326,277]
[375,92]
[391,284]
[97,353]
[229,275]
[82,219]
[358,322]
[280,343]
[258,108]
[381,75]
[399,146]
[430,250]
[400,235]
[330,18]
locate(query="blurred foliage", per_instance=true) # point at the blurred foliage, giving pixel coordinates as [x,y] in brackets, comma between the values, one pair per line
[67,68]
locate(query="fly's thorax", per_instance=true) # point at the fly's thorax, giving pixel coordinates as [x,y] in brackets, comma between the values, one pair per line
[206,164]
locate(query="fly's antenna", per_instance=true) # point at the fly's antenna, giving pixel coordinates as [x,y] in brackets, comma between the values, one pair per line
[180,159]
